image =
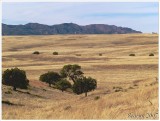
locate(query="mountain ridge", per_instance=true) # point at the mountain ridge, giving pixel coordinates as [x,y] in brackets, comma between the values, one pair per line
[64,28]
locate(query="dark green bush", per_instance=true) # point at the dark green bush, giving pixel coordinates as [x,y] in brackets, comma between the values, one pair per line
[78,54]
[55,53]
[117,89]
[132,54]
[36,52]
[97,97]
[16,78]
[151,54]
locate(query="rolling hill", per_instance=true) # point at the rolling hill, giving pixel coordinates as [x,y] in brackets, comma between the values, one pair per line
[127,86]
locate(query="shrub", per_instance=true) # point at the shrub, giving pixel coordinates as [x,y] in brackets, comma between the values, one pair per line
[16,78]
[78,54]
[100,54]
[63,84]
[117,89]
[132,54]
[55,53]
[97,97]
[36,52]
[50,77]
[84,85]
[151,54]
[72,71]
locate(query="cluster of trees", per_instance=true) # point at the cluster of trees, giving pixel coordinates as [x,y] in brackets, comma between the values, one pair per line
[70,76]
[80,83]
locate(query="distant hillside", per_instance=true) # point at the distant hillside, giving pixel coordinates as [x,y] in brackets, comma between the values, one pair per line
[65,28]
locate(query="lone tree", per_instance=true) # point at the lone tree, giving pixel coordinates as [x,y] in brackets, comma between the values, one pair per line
[73,72]
[63,84]
[50,78]
[84,85]
[16,78]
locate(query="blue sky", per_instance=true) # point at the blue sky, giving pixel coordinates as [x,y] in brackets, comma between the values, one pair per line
[139,16]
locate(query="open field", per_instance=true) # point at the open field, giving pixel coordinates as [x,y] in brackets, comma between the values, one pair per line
[136,75]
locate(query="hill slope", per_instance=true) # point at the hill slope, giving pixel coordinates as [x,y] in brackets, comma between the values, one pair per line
[127,86]
[65,28]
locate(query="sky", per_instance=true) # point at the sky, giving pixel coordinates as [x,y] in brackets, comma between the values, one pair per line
[141,16]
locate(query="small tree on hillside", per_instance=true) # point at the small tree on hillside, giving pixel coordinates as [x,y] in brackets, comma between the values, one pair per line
[63,84]
[16,78]
[50,78]
[72,71]
[84,85]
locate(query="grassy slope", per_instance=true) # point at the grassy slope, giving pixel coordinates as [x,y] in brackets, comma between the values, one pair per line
[114,68]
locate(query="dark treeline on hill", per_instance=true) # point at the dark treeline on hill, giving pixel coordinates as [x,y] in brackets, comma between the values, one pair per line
[65,28]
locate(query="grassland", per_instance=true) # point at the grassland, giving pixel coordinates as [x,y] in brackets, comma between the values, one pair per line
[127,85]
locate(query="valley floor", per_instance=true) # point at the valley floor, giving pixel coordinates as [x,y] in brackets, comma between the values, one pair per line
[127,85]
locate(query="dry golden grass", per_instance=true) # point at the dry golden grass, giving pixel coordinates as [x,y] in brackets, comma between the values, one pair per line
[136,75]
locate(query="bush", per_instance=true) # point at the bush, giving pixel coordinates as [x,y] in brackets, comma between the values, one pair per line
[50,77]
[16,78]
[63,84]
[55,53]
[117,89]
[36,52]
[78,54]
[97,97]
[132,54]
[100,54]
[84,85]
[151,54]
